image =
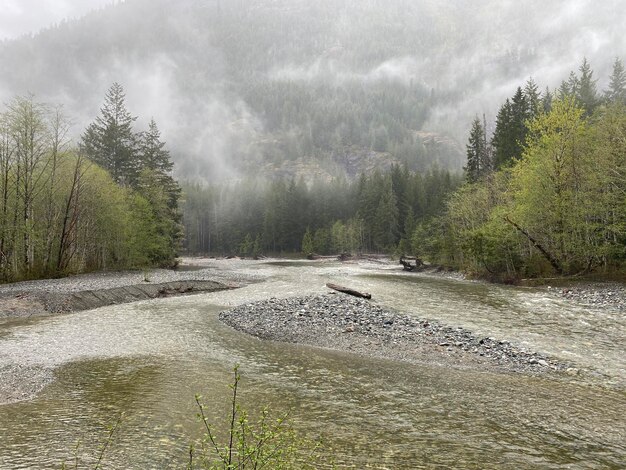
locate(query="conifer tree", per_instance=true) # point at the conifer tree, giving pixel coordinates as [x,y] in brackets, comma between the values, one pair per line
[532,98]
[501,140]
[617,84]
[546,101]
[477,165]
[155,158]
[510,133]
[586,93]
[110,141]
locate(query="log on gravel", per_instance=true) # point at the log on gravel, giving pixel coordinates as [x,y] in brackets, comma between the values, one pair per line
[347,290]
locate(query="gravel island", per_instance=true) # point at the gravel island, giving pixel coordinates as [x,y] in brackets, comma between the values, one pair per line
[342,322]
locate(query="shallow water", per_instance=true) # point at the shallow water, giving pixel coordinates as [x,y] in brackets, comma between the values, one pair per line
[149,359]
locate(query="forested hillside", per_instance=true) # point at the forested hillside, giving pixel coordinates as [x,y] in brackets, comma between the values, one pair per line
[294,87]
[318,126]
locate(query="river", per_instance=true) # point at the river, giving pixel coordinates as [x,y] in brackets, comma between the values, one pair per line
[149,359]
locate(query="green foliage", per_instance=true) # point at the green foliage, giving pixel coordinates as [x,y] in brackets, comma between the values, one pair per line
[61,213]
[617,84]
[265,443]
[308,245]
[559,207]
[139,161]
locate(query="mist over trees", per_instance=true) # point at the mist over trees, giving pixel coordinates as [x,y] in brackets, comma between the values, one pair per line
[374,213]
[295,86]
[318,126]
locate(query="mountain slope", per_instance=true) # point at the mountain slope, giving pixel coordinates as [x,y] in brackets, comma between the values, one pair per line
[239,84]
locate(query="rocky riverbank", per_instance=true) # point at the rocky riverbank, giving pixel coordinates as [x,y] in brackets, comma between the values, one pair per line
[345,323]
[93,290]
[601,295]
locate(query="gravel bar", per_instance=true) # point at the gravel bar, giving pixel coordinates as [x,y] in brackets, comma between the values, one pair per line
[93,290]
[600,295]
[346,323]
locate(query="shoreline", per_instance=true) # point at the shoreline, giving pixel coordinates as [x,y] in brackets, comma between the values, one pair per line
[33,303]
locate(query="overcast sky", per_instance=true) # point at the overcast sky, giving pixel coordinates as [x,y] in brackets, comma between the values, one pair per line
[19,17]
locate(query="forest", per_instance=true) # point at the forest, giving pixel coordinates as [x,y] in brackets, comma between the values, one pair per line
[546,193]
[543,194]
[108,203]
[373,213]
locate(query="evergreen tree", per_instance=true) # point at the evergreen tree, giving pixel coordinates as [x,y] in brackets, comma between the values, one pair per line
[573,85]
[153,154]
[586,93]
[110,141]
[503,146]
[617,84]
[155,158]
[477,165]
[519,109]
[546,101]
[510,133]
[386,226]
[532,98]
[308,245]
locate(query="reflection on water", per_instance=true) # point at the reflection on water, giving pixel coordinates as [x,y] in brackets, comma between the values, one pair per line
[149,359]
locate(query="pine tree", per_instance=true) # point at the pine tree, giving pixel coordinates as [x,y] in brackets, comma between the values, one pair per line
[617,84]
[510,133]
[155,158]
[532,98]
[110,141]
[501,140]
[476,153]
[153,155]
[573,85]
[386,225]
[546,101]
[587,94]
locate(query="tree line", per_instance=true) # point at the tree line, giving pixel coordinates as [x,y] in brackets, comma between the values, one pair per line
[546,193]
[109,202]
[374,213]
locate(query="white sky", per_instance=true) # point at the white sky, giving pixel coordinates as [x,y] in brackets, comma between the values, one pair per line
[19,17]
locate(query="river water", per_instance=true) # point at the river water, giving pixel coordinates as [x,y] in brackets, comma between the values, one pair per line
[149,359]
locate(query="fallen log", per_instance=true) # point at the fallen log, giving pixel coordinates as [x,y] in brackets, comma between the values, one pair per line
[314,256]
[410,263]
[346,290]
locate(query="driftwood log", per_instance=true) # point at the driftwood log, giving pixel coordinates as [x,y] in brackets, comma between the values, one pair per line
[349,291]
[411,263]
[340,257]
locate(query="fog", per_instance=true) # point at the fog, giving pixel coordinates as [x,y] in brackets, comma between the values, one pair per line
[195,65]
[24,17]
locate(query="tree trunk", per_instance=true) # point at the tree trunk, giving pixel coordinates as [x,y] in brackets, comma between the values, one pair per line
[346,290]
[551,259]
